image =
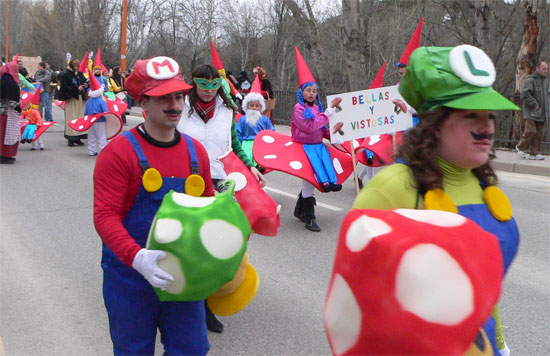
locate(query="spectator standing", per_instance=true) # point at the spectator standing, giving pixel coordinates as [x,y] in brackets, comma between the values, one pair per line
[535,96]
[72,90]
[44,76]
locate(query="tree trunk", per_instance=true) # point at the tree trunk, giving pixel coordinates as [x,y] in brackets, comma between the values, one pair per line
[311,38]
[524,64]
[354,43]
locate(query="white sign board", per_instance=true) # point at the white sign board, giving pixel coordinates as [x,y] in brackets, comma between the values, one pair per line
[367,113]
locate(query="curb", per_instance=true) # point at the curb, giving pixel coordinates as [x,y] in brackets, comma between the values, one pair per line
[520,168]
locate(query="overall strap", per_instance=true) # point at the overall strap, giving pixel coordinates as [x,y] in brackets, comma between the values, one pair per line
[192,154]
[143,162]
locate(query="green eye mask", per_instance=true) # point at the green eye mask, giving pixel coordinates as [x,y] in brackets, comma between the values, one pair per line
[206,84]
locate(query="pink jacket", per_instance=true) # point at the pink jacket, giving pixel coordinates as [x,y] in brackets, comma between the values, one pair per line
[308,131]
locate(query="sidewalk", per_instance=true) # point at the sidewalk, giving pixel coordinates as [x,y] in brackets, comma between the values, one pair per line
[507,161]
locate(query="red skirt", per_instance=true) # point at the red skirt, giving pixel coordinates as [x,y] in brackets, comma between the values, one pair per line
[5,150]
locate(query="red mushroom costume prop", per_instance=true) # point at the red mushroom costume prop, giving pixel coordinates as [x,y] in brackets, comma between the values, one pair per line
[113,124]
[260,209]
[277,151]
[410,282]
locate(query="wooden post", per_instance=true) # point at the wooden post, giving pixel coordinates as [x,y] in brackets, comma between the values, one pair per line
[7,31]
[354,171]
[123,36]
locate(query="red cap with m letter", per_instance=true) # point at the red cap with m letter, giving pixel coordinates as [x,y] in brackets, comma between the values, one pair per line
[156,76]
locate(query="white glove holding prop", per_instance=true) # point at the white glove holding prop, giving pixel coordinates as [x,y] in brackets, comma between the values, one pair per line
[329,112]
[146,263]
[338,141]
[239,96]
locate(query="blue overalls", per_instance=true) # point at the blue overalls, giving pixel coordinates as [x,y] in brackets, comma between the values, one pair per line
[321,162]
[134,309]
[507,234]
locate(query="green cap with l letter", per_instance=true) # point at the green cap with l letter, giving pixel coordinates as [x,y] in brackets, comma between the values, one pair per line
[457,77]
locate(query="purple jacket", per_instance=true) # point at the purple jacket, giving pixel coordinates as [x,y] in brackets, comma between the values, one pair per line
[308,130]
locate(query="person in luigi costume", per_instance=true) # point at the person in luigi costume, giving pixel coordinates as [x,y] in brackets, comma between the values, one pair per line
[132,175]
[444,161]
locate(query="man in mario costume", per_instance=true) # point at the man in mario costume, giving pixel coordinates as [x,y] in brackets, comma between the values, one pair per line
[132,175]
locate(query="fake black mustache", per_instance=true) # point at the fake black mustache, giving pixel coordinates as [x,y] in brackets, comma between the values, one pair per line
[172,112]
[482,136]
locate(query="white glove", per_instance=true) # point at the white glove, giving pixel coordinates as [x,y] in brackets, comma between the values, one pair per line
[329,112]
[239,96]
[146,263]
[338,141]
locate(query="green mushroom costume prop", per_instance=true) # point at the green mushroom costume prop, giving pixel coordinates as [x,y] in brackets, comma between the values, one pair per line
[205,240]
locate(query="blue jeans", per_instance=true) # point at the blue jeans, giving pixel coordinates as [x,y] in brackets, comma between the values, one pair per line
[45,103]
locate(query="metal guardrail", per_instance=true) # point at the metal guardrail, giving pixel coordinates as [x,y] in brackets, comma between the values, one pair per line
[286,99]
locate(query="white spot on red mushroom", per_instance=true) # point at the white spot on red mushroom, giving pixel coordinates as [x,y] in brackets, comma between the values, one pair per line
[240,180]
[355,144]
[270,156]
[167,230]
[221,239]
[74,121]
[115,107]
[191,201]
[289,143]
[86,118]
[342,316]
[295,165]
[431,284]
[433,217]
[374,140]
[268,139]
[363,230]
[81,127]
[337,166]
[93,119]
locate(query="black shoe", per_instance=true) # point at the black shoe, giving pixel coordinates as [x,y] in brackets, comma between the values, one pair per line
[298,209]
[7,160]
[260,169]
[79,143]
[212,323]
[23,141]
[41,148]
[33,149]
[370,160]
[334,187]
[71,143]
[360,181]
[311,225]
[326,187]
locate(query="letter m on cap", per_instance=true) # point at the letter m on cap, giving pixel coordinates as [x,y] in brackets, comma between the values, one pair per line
[162,68]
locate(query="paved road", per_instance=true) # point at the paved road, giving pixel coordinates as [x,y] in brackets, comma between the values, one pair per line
[50,278]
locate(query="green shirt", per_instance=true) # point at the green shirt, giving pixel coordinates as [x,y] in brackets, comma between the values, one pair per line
[394,188]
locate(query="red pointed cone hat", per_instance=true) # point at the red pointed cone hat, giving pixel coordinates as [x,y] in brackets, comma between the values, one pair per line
[16,58]
[216,61]
[97,62]
[304,74]
[414,43]
[93,81]
[84,63]
[379,78]
[256,85]
[36,97]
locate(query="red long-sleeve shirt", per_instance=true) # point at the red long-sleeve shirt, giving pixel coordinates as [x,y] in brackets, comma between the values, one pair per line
[118,177]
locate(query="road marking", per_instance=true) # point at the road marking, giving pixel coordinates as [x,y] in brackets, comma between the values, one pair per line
[523,175]
[290,195]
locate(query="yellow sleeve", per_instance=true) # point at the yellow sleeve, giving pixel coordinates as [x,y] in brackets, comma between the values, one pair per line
[391,188]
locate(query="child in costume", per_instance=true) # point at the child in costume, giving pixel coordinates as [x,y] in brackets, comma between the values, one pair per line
[309,127]
[97,136]
[443,162]
[253,122]
[35,121]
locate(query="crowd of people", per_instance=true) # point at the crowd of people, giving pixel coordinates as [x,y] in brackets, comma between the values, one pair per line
[443,164]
